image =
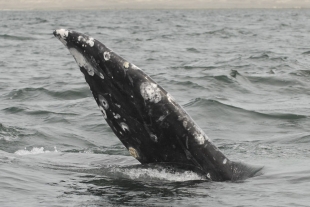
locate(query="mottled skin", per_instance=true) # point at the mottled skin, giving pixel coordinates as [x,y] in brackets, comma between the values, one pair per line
[146,119]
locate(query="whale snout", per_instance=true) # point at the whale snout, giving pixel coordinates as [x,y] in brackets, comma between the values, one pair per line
[62,35]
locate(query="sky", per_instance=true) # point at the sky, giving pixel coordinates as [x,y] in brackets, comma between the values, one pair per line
[148,4]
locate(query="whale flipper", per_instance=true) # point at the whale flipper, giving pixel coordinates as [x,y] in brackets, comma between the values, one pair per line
[146,119]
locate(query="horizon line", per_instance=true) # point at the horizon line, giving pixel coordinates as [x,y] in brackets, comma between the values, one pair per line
[129,8]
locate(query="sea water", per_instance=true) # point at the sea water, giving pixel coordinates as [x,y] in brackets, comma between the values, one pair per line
[242,75]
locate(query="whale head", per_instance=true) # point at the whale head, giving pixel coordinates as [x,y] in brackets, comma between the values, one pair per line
[115,84]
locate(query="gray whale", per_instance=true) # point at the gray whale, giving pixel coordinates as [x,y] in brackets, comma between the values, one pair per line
[145,117]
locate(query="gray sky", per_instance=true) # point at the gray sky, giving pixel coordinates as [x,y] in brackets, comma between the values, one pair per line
[149,4]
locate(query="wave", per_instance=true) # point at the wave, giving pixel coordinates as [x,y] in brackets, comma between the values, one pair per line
[194,50]
[200,102]
[117,149]
[35,151]
[189,84]
[260,56]
[302,139]
[223,78]
[223,33]
[226,77]
[31,93]
[226,32]
[8,133]
[156,172]
[146,173]
[127,168]
[12,37]
[235,77]
[303,73]
[298,139]
[190,67]
[109,27]
[40,20]
[15,110]
[275,80]
[266,55]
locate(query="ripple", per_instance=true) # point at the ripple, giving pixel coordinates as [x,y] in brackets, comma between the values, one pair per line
[12,37]
[32,93]
[232,109]
[8,133]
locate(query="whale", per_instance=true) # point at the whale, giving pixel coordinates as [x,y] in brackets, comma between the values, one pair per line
[148,121]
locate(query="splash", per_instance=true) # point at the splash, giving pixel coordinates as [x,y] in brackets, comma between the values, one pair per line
[153,174]
[35,151]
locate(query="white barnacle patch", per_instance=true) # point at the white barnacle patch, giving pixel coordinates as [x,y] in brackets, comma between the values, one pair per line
[133,152]
[209,176]
[161,118]
[62,34]
[200,138]
[81,61]
[81,38]
[106,56]
[90,41]
[103,112]
[101,76]
[185,123]
[224,161]
[154,137]
[103,102]
[150,92]
[126,65]
[124,126]
[117,116]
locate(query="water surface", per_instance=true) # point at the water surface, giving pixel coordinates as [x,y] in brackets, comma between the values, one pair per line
[243,76]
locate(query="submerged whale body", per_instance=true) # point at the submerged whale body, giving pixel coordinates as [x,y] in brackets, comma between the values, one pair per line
[146,119]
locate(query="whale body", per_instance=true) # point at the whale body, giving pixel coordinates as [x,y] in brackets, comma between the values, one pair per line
[146,118]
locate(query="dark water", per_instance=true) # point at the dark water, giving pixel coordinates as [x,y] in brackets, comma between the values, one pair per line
[243,75]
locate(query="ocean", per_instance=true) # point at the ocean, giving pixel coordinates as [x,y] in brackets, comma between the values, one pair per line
[242,75]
